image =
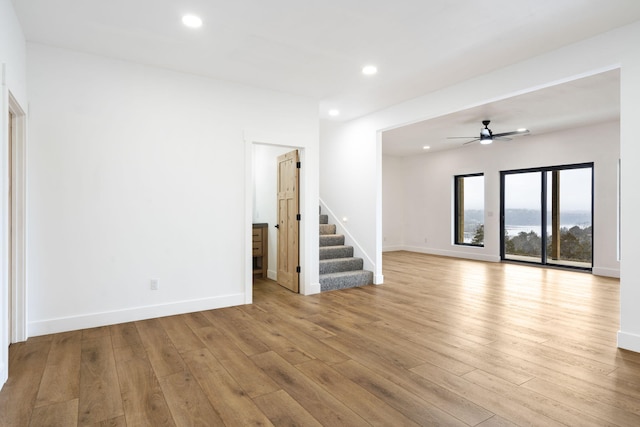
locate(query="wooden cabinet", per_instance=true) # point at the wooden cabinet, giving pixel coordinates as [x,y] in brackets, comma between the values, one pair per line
[260,250]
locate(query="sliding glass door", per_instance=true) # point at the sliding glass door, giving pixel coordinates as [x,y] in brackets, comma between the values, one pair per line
[546,215]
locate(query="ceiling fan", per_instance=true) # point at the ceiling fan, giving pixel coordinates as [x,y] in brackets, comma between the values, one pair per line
[487,137]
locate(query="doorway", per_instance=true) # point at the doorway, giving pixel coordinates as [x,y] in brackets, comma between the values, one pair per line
[547,216]
[265,208]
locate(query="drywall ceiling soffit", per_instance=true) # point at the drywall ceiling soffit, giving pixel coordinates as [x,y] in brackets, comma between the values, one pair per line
[581,102]
[316,49]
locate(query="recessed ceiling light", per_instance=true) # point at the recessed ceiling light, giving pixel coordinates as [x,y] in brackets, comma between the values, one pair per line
[369,70]
[192,21]
[426,147]
[334,112]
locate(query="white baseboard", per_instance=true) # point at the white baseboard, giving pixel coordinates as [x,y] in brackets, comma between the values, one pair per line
[92,320]
[313,289]
[392,248]
[629,341]
[606,272]
[4,374]
[378,279]
[273,275]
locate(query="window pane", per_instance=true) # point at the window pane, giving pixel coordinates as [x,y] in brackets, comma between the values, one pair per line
[569,227]
[522,217]
[469,210]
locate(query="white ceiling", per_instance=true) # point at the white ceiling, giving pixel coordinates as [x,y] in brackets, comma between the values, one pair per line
[581,102]
[317,49]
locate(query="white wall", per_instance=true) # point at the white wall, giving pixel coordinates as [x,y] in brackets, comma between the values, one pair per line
[265,206]
[362,144]
[12,80]
[137,173]
[394,203]
[428,180]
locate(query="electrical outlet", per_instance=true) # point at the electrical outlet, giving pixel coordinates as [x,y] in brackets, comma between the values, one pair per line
[155,284]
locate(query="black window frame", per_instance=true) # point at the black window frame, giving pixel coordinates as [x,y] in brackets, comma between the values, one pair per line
[457,213]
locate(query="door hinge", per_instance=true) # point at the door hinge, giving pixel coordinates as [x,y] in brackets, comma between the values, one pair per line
[298,165]
[298,269]
[298,217]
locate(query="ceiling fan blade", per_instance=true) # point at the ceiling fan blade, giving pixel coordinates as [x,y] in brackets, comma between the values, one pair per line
[460,137]
[473,140]
[515,132]
[502,138]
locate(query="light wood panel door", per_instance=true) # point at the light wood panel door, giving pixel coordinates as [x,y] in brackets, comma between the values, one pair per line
[288,223]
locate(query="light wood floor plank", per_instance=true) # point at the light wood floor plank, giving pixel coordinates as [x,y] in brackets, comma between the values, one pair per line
[227,397]
[374,410]
[405,402]
[26,367]
[283,410]
[100,397]
[56,414]
[143,400]
[253,380]
[188,403]
[60,381]
[324,407]
[163,355]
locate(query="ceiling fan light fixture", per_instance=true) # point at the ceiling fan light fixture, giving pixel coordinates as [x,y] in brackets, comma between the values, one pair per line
[523,130]
[486,141]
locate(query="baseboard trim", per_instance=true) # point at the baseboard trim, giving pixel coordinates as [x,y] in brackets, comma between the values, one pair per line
[378,279]
[629,341]
[452,254]
[93,320]
[314,288]
[4,374]
[273,275]
[392,248]
[606,272]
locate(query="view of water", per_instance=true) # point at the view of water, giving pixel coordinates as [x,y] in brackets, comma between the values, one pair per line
[514,230]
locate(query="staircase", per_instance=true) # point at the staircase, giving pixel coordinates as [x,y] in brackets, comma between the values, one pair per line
[338,268]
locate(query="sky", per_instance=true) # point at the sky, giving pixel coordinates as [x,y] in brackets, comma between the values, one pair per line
[522,190]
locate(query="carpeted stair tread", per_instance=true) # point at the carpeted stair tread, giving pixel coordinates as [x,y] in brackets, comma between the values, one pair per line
[338,268]
[339,251]
[339,265]
[327,229]
[331,240]
[346,279]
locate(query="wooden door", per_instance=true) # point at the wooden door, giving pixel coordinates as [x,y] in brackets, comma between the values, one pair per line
[288,223]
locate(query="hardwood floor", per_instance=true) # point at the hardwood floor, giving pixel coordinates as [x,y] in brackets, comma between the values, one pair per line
[443,342]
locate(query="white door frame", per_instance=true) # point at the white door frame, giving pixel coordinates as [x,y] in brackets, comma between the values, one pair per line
[14,329]
[18,281]
[309,283]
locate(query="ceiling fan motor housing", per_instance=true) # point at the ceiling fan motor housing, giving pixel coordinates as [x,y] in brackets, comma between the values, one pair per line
[486,136]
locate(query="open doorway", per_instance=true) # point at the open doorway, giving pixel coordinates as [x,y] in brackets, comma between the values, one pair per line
[265,213]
